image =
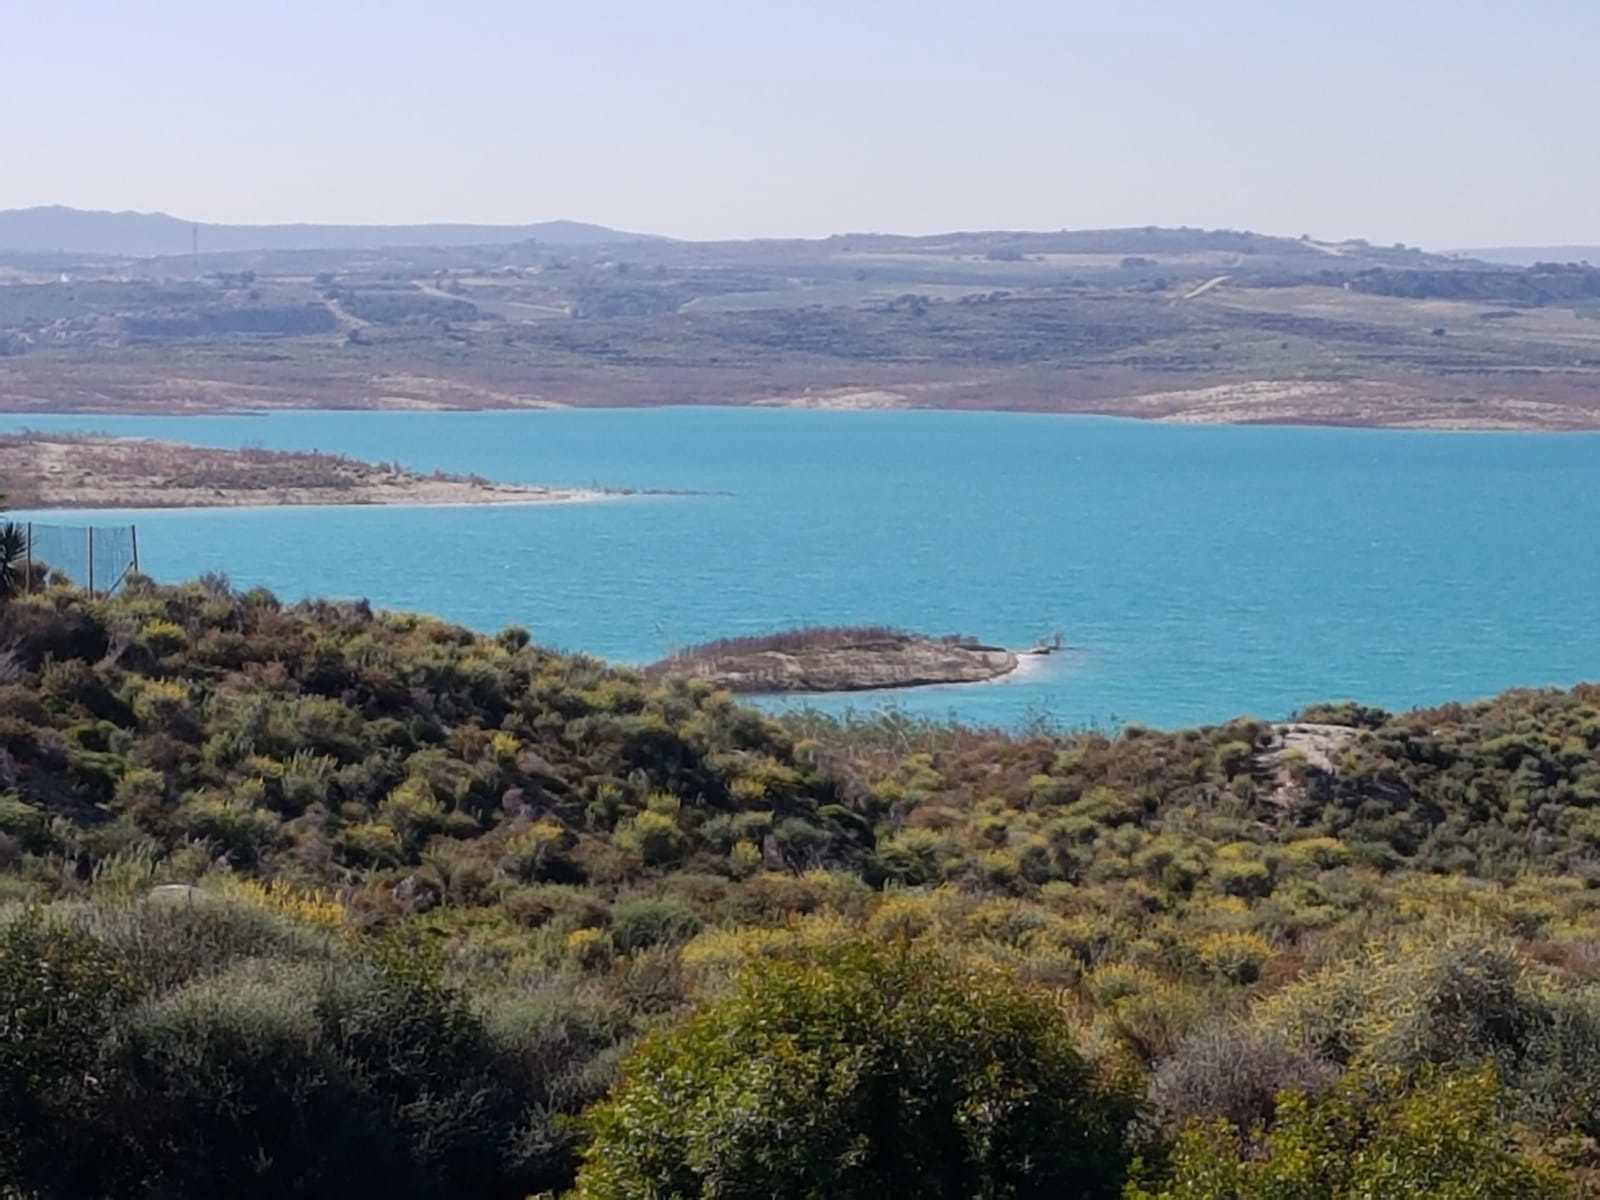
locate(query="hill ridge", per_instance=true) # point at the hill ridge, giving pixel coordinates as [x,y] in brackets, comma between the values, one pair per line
[58,227]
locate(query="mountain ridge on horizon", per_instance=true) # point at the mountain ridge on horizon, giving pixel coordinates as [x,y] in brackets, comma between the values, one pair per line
[57,227]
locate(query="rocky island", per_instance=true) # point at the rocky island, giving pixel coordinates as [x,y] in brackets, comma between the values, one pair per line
[842,659]
[62,470]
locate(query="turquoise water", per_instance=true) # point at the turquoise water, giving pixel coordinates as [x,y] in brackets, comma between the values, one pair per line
[1197,573]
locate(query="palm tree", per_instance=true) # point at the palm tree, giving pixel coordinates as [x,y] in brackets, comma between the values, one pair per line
[13,553]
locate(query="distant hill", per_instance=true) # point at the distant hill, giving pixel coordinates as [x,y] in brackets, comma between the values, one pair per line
[1526,256]
[1148,238]
[146,235]
[1161,244]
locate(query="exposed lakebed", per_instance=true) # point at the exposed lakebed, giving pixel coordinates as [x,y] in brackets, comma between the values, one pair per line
[1196,572]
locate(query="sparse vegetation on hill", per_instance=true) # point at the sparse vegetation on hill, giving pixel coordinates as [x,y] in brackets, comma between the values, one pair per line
[1187,323]
[403,307]
[220,320]
[296,900]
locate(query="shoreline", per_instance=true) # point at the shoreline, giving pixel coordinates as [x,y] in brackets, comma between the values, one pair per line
[578,496]
[52,472]
[1190,419]
[254,505]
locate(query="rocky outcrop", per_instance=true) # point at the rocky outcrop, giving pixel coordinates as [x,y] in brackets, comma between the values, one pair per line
[840,661]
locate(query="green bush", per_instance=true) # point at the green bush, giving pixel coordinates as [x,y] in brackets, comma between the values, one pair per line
[654,836]
[1461,998]
[179,934]
[243,830]
[866,1073]
[542,854]
[912,858]
[60,991]
[642,923]
[1558,1082]
[429,1076]
[1447,1140]
[223,1088]
[372,1078]
[1442,996]
[1250,880]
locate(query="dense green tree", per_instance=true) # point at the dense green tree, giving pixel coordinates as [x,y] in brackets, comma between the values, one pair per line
[870,1071]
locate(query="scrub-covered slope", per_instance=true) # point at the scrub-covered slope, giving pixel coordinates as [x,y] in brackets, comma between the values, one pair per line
[314,860]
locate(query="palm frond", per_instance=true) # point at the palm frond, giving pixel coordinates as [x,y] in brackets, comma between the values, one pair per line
[13,552]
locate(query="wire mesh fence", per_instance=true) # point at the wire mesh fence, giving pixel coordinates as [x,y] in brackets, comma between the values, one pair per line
[97,557]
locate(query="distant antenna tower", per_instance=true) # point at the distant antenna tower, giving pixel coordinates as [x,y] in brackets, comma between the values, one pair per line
[194,234]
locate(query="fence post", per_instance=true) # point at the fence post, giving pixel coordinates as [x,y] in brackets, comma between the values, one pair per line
[133,532]
[88,534]
[27,580]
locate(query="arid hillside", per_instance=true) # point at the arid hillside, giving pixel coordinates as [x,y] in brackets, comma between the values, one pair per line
[1165,324]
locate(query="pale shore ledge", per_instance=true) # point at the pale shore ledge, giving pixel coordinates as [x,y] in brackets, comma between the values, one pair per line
[842,660]
[59,471]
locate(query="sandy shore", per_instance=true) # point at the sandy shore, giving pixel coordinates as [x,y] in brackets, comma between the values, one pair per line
[395,497]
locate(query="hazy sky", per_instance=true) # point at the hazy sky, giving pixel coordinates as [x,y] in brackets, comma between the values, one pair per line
[1444,123]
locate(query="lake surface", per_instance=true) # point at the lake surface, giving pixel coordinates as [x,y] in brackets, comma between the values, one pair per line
[1196,573]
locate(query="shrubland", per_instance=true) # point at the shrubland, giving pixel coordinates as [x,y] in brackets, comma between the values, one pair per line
[312,899]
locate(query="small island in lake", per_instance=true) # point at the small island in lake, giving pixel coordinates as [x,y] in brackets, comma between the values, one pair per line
[839,659]
[63,470]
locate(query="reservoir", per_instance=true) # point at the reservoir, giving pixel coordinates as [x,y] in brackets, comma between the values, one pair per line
[1195,573]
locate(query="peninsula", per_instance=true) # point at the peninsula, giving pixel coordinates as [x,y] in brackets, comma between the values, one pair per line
[61,470]
[840,659]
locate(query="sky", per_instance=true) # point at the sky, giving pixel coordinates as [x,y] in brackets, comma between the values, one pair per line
[1442,124]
